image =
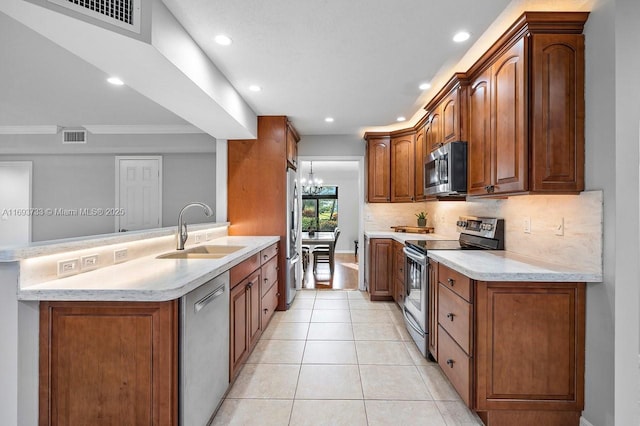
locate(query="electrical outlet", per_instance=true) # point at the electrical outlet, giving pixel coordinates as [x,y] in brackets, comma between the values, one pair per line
[198,238]
[526,225]
[208,235]
[89,262]
[68,267]
[559,227]
[120,255]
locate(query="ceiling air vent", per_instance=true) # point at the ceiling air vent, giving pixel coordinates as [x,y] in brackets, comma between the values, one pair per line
[74,136]
[123,13]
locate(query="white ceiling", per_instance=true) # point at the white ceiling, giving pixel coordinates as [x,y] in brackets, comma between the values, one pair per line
[358,61]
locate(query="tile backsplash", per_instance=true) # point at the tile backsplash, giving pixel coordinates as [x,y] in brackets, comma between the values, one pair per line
[580,246]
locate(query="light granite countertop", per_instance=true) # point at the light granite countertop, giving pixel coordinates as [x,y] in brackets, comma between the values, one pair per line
[496,265]
[146,278]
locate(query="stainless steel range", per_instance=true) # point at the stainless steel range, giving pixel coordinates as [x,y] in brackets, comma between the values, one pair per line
[476,233]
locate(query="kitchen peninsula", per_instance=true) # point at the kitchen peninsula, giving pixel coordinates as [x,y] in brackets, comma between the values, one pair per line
[112,325]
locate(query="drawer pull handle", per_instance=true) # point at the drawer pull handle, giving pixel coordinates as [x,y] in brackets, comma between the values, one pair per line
[450,363]
[451,281]
[450,315]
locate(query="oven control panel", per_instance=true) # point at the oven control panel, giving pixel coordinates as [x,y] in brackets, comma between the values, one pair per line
[487,227]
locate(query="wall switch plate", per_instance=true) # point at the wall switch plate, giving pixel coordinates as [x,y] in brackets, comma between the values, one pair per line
[559,227]
[526,225]
[120,255]
[208,236]
[89,262]
[68,267]
[198,238]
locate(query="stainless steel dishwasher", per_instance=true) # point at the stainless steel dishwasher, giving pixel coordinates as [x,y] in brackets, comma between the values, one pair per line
[204,350]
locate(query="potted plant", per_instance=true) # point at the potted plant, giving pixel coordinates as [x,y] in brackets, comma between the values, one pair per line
[312,227]
[422,218]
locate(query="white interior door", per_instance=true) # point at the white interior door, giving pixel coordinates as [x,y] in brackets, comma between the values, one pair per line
[139,193]
[15,202]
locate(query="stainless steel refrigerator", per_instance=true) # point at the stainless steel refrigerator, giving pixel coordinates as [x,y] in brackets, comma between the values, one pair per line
[293,233]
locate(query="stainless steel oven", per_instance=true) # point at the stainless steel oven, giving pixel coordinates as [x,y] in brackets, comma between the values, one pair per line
[416,300]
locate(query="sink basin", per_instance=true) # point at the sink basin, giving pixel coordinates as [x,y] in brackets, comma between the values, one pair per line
[202,252]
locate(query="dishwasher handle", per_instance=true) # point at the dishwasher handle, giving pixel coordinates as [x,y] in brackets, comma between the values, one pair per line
[208,299]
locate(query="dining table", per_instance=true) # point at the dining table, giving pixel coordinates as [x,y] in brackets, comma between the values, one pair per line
[321,238]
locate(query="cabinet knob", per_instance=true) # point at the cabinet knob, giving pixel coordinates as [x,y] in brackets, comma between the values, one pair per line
[250,284]
[278,294]
[266,280]
[265,257]
[451,281]
[450,315]
[450,363]
[490,188]
[265,310]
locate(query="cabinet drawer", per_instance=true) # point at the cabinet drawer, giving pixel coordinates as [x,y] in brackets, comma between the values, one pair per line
[269,275]
[269,304]
[454,315]
[242,270]
[459,283]
[455,364]
[269,252]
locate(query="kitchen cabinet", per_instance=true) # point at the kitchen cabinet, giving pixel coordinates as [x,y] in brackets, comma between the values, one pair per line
[257,187]
[378,169]
[514,351]
[447,114]
[381,283]
[105,363]
[420,152]
[253,298]
[402,168]
[292,146]
[398,273]
[526,109]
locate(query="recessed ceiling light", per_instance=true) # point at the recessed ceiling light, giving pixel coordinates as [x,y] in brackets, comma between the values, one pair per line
[401,118]
[222,40]
[255,88]
[461,36]
[425,86]
[115,81]
[329,119]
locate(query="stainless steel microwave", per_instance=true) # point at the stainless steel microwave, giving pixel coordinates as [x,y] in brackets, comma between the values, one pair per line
[445,170]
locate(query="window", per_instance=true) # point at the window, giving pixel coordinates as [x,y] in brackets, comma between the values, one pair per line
[320,211]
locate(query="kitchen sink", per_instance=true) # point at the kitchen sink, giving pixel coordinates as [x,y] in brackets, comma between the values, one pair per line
[202,252]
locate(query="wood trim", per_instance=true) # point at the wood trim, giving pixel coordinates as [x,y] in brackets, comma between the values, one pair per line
[459,79]
[295,133]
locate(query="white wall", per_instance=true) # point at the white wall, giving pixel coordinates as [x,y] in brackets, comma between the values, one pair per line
[331,145]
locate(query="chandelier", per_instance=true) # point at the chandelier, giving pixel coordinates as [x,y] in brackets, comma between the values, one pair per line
[311,185]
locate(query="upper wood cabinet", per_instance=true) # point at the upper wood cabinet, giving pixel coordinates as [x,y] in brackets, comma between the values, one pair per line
[446,114]
[378,169]
[420,152]
[402,168]
[292,147]
[526,108]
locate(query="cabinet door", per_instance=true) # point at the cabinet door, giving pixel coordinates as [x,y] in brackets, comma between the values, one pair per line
[239,333]
[433,308]
[402,168]
[381,269]
[508,127]
[436,130]
[420,150]
[450,117]
[378,170]
[292,149]
[557,112]
[530,346]
[398,272]
[254,298]
[479,144]
[104,363]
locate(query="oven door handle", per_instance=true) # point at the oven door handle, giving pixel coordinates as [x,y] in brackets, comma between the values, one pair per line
[415,256]
[412,322]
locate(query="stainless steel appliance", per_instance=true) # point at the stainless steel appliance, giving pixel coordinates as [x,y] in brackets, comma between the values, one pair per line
[293,233]
[204,350]
[476,233]
[445,170]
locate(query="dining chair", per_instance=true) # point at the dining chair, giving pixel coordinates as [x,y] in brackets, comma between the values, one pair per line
[325,253]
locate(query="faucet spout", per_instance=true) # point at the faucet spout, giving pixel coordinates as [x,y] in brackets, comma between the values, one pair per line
[182,226]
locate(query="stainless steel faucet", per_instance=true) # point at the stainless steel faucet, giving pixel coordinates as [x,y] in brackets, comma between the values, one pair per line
[182,227]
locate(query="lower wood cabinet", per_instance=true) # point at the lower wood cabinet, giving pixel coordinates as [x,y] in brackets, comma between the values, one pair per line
[514,351]
[381,282]
[83,383]
[398,273]
[253,300]
[432,270]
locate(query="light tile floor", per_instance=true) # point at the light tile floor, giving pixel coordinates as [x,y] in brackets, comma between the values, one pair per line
[335,358]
